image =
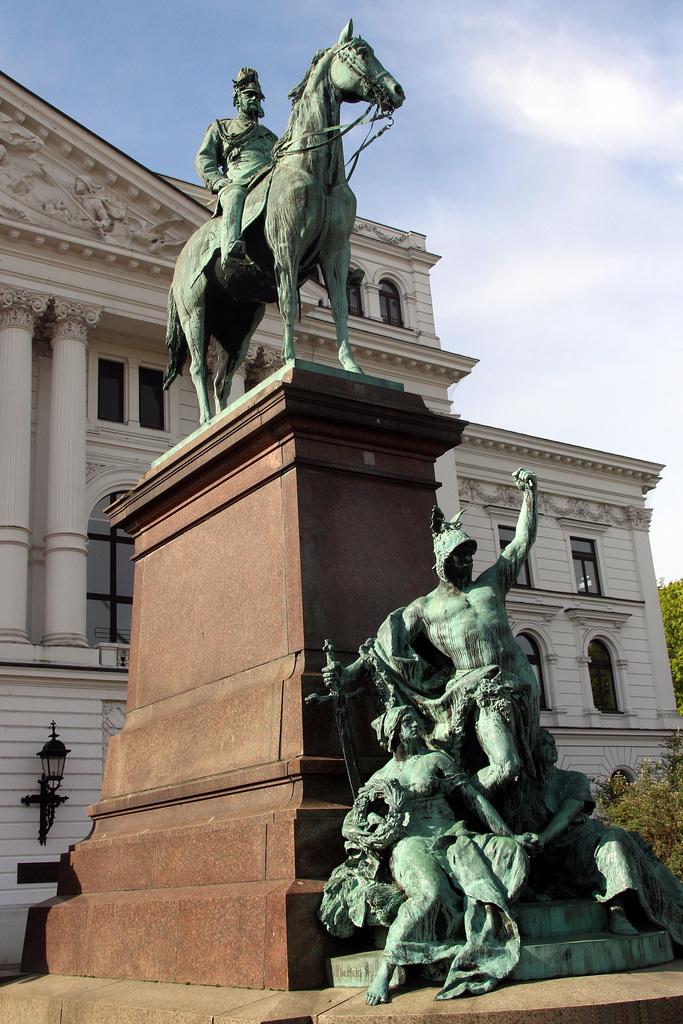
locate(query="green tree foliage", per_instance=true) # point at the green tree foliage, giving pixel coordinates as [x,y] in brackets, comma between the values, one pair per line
[652,805]
[671,600]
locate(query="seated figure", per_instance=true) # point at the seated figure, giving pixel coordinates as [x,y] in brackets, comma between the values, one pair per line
[418,866]
[587,856]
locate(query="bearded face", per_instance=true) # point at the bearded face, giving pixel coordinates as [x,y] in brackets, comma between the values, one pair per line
[249,104]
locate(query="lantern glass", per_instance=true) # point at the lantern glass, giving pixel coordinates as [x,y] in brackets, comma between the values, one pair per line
[53,766]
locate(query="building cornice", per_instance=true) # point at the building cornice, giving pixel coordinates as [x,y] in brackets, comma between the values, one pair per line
[647,474]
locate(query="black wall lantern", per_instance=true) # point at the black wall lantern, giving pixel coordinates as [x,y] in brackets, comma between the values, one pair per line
[52,756]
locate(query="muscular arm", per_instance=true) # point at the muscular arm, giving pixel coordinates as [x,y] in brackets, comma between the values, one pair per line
[516,553]
[358,670]
[486,813]
[560,822]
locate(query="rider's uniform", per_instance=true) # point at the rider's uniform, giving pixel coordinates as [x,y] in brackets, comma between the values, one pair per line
[233,151]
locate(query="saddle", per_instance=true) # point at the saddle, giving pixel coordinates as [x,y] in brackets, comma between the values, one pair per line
[208,235]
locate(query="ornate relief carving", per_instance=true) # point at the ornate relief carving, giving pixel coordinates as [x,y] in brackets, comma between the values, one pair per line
[73,320]
[259,363]
[574,508]
[21,308]
[93,468]
[384,234]
[40,191]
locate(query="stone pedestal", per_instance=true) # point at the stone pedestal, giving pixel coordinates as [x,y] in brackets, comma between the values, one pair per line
[302,513]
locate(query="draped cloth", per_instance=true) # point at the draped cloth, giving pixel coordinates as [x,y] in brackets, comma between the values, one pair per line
[410,670]
[467,938]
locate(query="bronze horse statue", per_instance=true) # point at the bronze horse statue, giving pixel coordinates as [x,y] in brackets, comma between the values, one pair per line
[298,215]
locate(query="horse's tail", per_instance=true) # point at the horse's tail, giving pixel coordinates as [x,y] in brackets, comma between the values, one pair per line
[176,343]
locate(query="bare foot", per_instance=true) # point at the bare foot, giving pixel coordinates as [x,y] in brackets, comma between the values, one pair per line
[619,923]
[378,989]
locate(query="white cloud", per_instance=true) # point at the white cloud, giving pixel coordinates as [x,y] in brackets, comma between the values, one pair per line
[561,87]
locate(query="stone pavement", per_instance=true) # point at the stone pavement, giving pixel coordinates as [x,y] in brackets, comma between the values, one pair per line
[650,996]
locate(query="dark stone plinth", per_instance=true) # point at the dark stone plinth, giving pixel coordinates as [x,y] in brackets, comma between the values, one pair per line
[302,513]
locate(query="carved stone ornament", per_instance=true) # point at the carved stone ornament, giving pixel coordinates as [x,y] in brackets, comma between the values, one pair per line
[37,188]
[574,508]
[260,362]
[363,227]
[73,320]
[21,308]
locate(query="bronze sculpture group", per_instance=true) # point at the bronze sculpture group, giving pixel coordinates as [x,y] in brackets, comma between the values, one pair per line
[471,812]
[285,208]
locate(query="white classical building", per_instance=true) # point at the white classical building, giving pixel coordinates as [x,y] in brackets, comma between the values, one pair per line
[88,241]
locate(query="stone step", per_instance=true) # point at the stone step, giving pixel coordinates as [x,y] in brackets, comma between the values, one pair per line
[601,953]
[358,969]
[560,917]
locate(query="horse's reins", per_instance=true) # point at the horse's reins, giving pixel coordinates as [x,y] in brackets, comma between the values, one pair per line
[346,55]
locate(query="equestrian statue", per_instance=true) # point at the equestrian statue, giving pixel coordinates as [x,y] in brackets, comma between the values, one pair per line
[284,208]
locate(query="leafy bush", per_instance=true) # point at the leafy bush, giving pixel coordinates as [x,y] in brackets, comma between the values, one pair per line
[671,601]
[652,805]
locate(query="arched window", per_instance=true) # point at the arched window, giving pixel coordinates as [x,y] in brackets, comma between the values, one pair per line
[602,677]
[390,304]
[110,578]
[533,653]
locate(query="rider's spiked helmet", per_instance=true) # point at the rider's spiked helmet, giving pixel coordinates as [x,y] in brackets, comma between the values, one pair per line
[246,79]
[446,537]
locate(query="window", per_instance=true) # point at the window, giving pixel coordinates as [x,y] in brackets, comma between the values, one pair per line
[110,390]
[602,677]
[505,535]
[110,578]
[585,561]
[151,393]
[355,300]
[533,653]
[390,304]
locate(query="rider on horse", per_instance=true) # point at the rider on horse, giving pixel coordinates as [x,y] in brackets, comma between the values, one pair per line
[233,151]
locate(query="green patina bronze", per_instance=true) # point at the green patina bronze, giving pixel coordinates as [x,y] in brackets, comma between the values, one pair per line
[471,810]
[296,209]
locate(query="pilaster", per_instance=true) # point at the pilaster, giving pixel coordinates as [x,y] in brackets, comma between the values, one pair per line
[66,538]
[19,312]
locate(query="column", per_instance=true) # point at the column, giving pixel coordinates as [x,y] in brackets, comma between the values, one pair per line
[19,312]
[66,538]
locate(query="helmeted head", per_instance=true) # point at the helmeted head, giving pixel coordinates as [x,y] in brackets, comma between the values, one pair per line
[453,548]
[389,725]
[247,93]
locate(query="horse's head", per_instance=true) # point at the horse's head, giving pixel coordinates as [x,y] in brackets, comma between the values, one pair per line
[358,75]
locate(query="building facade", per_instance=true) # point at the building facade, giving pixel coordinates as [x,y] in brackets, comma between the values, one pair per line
[88,242]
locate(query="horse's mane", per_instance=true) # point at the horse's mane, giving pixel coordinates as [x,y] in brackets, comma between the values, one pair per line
[295,96]
[297,92]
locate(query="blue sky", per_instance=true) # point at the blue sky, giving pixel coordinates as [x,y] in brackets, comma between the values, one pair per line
[540,150]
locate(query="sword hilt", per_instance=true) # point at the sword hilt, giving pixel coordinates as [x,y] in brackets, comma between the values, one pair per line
[329,653]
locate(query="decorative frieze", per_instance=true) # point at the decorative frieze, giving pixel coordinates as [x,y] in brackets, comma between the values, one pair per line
[364,227]
[597,512]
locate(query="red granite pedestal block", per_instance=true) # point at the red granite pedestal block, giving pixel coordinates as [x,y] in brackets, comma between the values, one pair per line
[300,514]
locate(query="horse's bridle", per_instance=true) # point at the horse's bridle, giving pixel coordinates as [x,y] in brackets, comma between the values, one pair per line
[347,55]
[379,97]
